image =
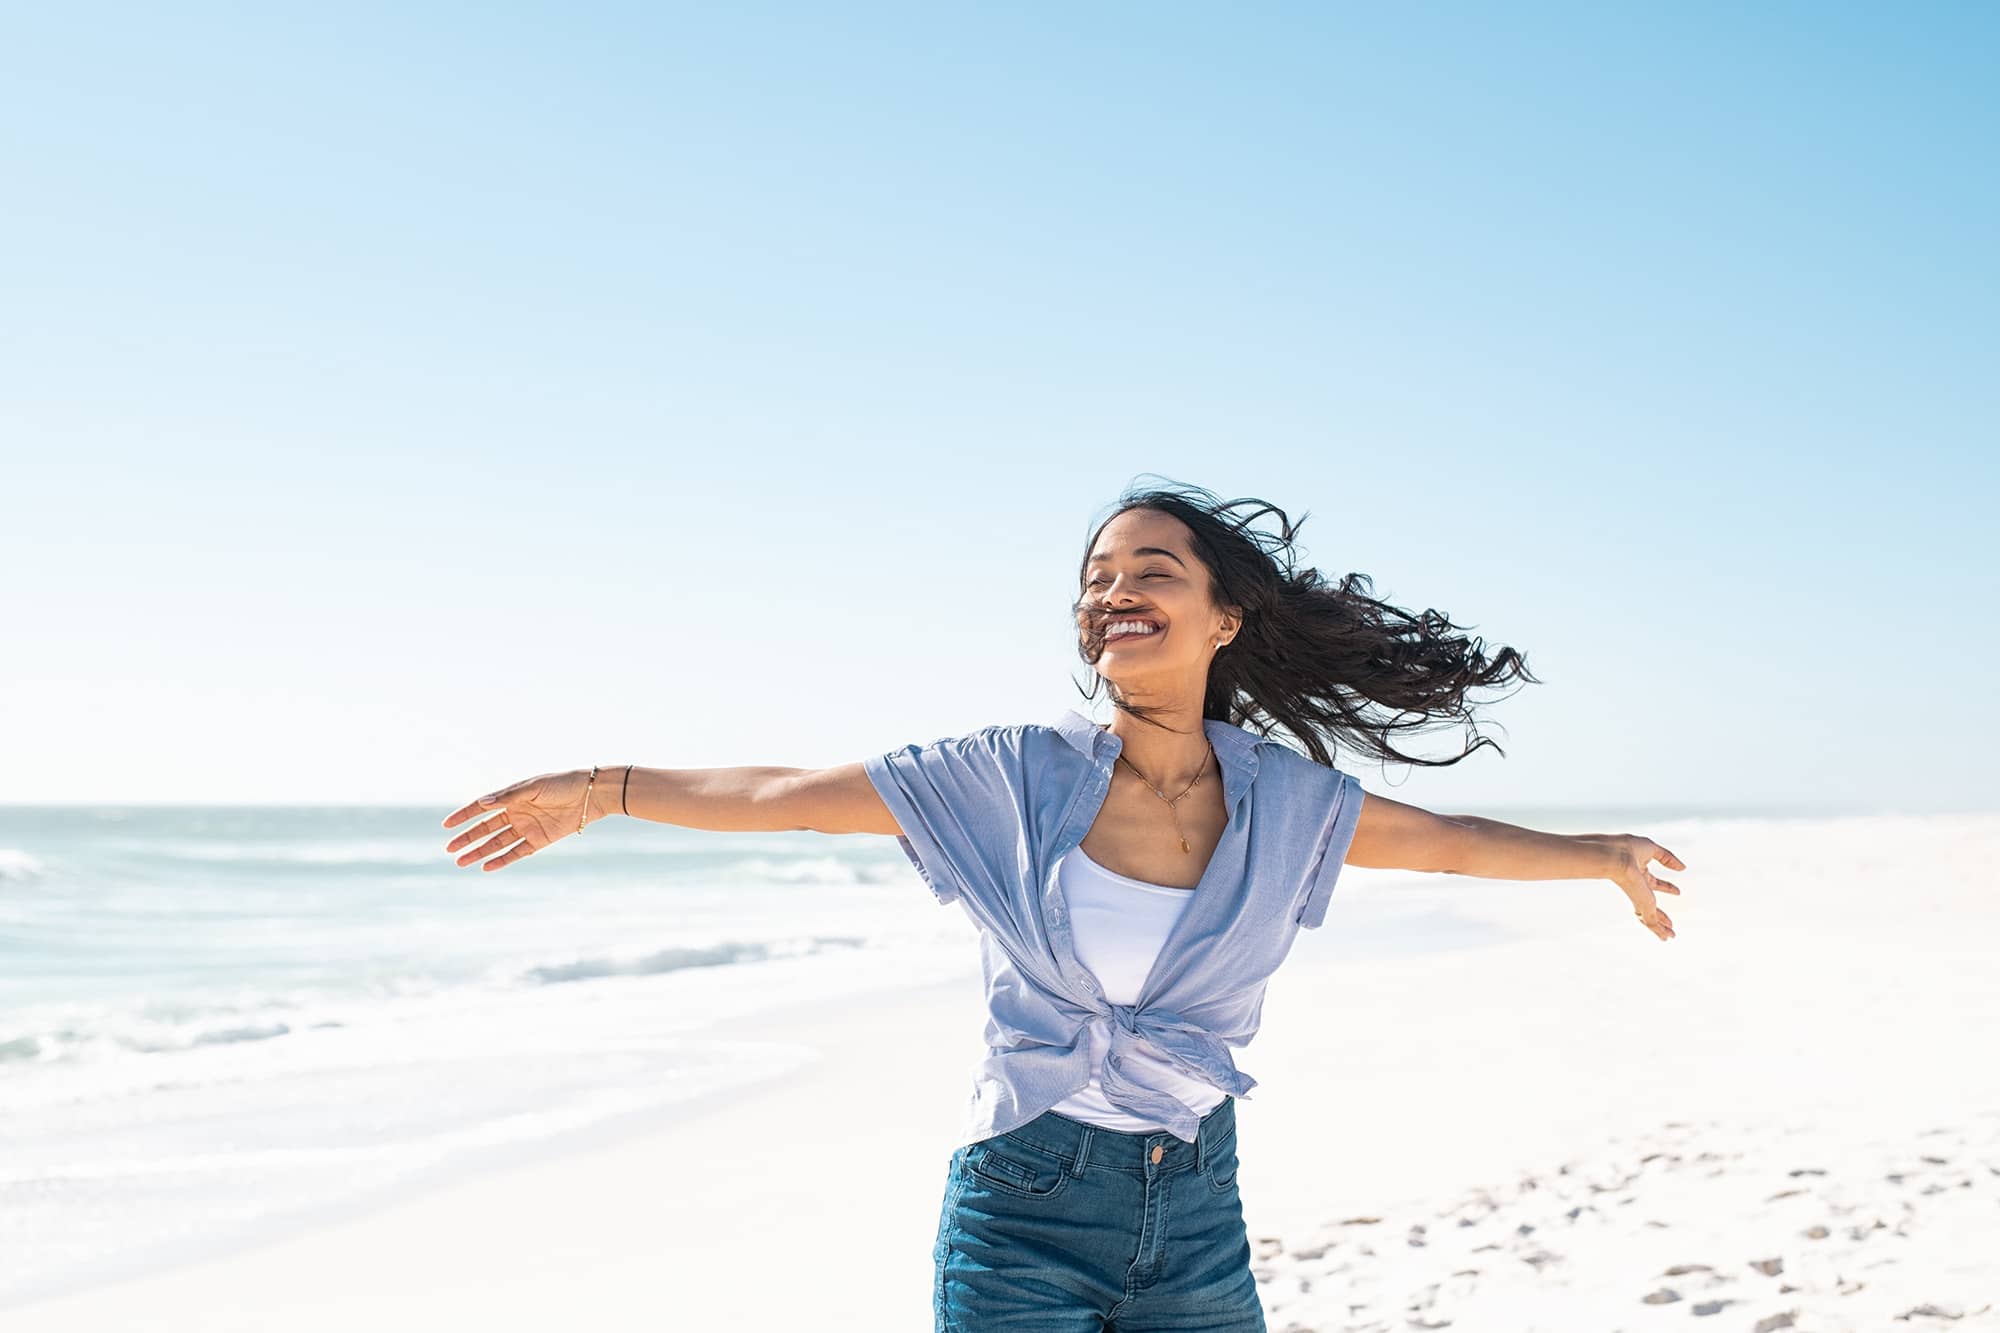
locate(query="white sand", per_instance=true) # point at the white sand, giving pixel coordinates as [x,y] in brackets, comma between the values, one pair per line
[1789,1117]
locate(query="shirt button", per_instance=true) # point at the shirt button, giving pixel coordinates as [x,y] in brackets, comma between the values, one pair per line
[1157,1150]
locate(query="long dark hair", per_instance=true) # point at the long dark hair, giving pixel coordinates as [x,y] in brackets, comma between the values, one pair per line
[1322,661]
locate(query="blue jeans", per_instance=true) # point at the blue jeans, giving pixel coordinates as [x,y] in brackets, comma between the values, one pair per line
[1062,1227]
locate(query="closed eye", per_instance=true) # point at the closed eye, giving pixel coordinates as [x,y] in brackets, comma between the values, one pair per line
[1154,575]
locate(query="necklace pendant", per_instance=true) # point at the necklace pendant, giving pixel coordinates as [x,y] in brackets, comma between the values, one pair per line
[1185,848]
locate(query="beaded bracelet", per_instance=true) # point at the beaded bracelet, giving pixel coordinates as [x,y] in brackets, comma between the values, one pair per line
[584,814]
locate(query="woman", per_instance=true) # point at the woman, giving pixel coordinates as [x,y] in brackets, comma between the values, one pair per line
[1135,886]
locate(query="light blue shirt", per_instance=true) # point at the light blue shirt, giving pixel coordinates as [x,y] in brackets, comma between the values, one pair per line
[987,816]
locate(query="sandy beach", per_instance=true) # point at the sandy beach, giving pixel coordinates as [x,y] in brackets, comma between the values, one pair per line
[1788,1117]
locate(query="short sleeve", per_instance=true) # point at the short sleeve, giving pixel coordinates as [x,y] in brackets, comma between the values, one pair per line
[960,802]
[1343,813]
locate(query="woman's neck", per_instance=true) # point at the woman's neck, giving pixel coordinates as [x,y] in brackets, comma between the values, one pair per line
[1169,759]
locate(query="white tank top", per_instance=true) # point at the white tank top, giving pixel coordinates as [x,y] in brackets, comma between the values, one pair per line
[1118,925]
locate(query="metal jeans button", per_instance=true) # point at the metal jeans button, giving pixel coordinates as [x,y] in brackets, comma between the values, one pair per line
[1158,1148]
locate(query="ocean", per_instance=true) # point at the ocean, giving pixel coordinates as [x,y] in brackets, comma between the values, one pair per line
[212,1017]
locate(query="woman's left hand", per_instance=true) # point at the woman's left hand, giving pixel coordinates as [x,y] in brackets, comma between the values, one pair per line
[1629,855]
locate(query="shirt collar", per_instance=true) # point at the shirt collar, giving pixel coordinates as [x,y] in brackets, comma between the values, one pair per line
[1235,748]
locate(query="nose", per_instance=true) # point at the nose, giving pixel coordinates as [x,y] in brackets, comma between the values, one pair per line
[1116,593]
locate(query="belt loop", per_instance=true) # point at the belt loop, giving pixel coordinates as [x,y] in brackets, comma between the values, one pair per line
[1082,1151]
[1201,1146]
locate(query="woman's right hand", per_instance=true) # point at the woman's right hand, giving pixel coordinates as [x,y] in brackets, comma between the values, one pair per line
[529,815]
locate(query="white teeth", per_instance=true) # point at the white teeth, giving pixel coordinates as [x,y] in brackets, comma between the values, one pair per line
[1128,627]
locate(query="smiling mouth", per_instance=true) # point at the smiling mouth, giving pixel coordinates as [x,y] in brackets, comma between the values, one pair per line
[1129,636]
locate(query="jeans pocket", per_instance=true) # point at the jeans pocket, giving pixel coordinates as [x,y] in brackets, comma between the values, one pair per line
[1220,1163]
[1016,1169]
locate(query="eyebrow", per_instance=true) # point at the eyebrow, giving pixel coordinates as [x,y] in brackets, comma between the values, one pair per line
[1143,550]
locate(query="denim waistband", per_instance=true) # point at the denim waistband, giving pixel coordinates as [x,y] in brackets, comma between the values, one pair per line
[1080,1144]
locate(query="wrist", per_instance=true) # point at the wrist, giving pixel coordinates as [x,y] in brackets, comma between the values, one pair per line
[610,794]
[600,794]
[1601,855]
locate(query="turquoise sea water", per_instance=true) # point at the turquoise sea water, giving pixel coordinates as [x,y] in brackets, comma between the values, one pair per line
[211,1017]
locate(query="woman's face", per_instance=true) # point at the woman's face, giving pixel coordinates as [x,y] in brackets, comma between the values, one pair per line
[1143,568]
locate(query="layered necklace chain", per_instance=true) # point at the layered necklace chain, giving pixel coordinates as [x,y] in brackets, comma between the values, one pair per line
[1173,802]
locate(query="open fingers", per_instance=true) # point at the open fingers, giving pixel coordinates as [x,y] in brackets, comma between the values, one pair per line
[1658,922]
[511,855]
[479,830]
[1667,858]
[504,838]
[477,806]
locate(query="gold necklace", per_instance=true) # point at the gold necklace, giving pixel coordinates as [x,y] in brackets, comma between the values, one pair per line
[1174,802]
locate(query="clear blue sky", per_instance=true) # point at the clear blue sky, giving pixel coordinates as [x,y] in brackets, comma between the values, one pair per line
[396,401]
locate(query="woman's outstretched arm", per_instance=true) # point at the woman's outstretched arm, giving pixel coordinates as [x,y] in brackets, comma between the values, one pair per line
[524,817]
[768,800]
[1397,835]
